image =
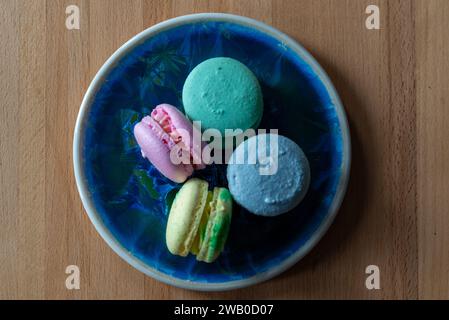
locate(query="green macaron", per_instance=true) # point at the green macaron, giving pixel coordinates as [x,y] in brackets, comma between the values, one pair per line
[223,93]
[199,221]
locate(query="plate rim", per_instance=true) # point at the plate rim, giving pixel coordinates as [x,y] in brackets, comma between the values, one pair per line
[88,201]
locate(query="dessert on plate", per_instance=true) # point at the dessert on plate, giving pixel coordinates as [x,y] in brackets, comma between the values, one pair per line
[199,220]
[275,182]
[223,94]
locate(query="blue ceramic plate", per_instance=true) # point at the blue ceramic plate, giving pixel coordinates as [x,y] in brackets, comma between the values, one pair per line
[128,200]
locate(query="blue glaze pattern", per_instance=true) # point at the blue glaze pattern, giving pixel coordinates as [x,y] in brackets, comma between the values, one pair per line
[133,198]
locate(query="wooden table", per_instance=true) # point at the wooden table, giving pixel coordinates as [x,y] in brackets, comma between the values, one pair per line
[393,83]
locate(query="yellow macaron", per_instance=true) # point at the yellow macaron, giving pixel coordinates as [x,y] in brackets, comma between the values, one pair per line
[199,221]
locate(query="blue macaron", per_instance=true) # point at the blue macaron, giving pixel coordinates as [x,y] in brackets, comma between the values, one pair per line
[268,174]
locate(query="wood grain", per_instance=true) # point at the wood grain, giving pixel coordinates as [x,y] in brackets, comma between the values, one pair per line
[393,83]
[432,50]
[9,168]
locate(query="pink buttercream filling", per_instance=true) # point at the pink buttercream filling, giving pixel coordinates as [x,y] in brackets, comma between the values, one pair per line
[168,135]
[164,121]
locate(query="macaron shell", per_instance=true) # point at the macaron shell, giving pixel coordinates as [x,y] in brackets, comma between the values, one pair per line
[186,130]
[196,246]
[217,229]
[158,153]
[185,216]
[223,93]
[269,195]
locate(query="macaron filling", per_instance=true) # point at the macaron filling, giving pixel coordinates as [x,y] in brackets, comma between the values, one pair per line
[162,125]
[199,238]
[167,138]
[212,236]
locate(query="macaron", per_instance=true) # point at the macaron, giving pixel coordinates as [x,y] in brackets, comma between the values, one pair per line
[199,221]
[170,142]
[268,174]
[223,93]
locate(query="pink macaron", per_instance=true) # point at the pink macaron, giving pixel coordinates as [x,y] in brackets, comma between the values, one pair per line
[170,142]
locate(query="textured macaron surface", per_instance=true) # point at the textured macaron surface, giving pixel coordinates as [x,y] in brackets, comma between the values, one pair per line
[185,216]
[160,133]
[223,93]
[155,145]
[268,185]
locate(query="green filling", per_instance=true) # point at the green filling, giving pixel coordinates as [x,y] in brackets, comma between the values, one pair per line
[214,226]
[218,237]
